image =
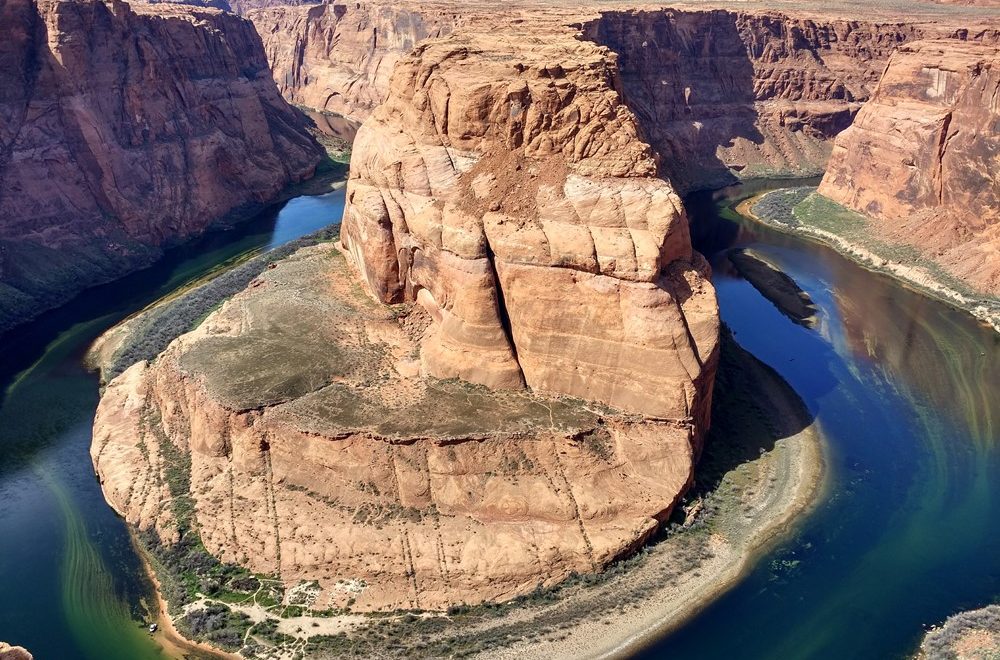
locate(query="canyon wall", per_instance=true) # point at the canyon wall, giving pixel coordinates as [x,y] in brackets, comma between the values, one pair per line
[722,94]
[719,94]
[339,57]
[922,158]
[125,129]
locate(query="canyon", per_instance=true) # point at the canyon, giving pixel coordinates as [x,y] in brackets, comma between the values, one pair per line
[528,294]
[501,375]
[125,129]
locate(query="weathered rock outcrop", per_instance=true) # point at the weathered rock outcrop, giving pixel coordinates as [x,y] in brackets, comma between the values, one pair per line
[922,158]
[505,187]
[123,129]
[8,652]
[339,57]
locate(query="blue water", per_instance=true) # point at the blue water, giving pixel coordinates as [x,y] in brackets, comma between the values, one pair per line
[71,582]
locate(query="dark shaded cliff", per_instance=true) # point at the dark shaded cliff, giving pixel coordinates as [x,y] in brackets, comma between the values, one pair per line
[124,129]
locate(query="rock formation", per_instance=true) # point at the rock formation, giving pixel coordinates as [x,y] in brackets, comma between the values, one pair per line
[315,450]
[508,217]
[8,652]
[922,158]
[719,94]
[125,128]
[505,187]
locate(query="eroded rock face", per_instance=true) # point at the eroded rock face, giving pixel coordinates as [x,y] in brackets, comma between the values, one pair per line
[8,652]
[719,94]
[505,187]
[922,158]
[339,57]
[316,451]
[124,129]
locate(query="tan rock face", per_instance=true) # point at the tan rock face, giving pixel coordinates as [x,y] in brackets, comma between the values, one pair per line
[8,652]
[339,57]
[923,157]
[505,187]
[316,453]
[126,128]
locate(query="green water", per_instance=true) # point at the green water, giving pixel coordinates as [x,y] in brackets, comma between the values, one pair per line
[72,584]
[907,391]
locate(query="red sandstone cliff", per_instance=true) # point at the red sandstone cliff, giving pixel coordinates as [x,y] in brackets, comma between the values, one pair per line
[126,128]
[923,157]
[756,94]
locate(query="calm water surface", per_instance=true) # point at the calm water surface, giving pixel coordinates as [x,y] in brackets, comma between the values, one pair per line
[907,391]
[72,584]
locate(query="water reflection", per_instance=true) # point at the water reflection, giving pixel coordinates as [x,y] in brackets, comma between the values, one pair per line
[906,391]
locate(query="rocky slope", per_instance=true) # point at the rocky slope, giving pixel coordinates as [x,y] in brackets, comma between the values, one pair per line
[125,128]
[922,159]
[511,224]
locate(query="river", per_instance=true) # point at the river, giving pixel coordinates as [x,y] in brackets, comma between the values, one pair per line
[71,581]
[906,389]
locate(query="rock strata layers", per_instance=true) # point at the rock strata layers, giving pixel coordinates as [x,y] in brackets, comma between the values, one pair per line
[505,187]
[720,94]
[922,158]
[126,128]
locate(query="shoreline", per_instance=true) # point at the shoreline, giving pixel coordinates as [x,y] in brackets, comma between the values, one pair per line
[913,278]
[175,645]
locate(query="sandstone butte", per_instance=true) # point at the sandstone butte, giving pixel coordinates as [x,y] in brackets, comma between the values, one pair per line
[922,158]
[521,393]
[125,128]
